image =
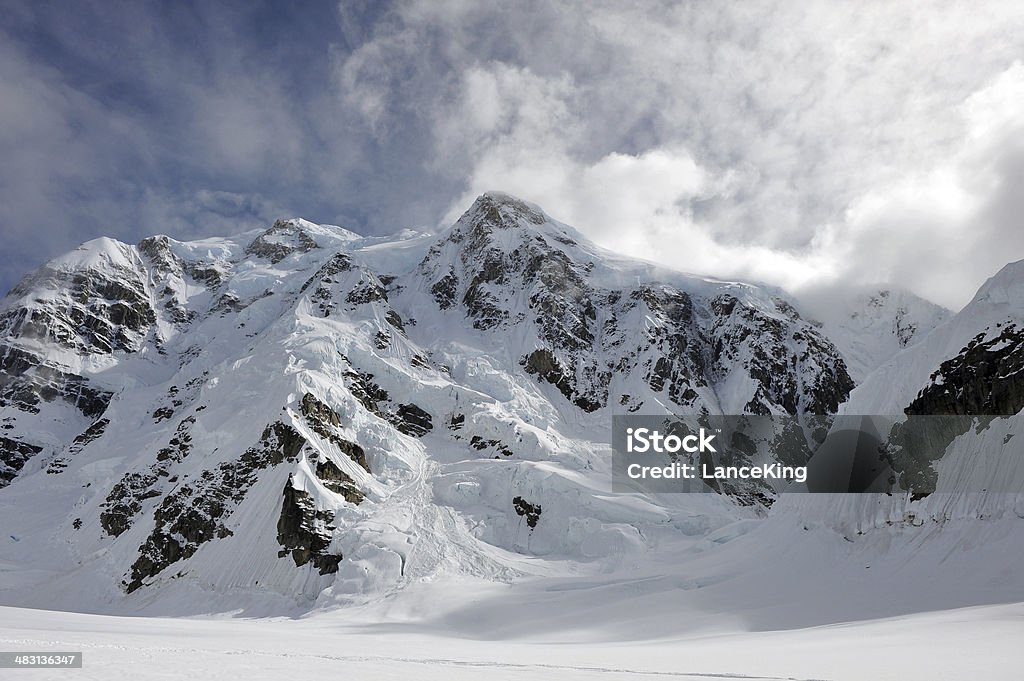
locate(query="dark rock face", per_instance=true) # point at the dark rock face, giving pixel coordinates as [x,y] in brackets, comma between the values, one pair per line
[26,380]
[561,298]
[324,281]
[195,513]
[338,481]
[691,349]
[369,394]
[412,420]
[162,413]
[281,240]
[318,414]
[985,378]
[339,262]
[125,499]
[677,363]
[395,320]
[584,338]
[342,285]
[407,418]
[305,532]
[776,350]
[527,510]
[741,451]
[481,444]
[504,212]
[164,261]
[13,455]
[88,309]
[366,291]
[158,250]
[166,267]
[81,440]
[92,311]
[445,290]
[324,421]
[544,365]
[228,303]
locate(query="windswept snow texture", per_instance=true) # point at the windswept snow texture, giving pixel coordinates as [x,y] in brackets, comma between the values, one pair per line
[416,428]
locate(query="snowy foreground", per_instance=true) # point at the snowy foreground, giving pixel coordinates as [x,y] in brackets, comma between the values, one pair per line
[970,643]
[754,600]
[761,602]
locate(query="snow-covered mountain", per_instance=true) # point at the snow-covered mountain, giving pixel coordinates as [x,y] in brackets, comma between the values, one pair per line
[969,368]
[303,408]
[303,415]
[969,364]
[871,325]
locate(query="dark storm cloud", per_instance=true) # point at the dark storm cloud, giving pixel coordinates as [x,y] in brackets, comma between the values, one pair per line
[127,119]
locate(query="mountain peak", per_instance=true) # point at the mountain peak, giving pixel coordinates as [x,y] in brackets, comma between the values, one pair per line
[503,211]
[870,324]
[281,240]
[1006,286]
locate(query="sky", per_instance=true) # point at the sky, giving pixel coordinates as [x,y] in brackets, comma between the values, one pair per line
[810,145]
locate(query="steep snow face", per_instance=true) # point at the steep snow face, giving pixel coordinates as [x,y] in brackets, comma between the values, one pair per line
[871,326]
[68,321]
[983,337]
[972,365]
[307,416]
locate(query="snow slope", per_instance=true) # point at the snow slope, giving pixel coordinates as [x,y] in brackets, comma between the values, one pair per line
[969,368]
[948,646]
[997,306]
[871,325]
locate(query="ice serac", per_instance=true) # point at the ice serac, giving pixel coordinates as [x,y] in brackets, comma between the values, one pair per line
[310,417]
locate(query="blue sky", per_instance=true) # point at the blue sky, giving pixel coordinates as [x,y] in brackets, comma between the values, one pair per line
[810,145]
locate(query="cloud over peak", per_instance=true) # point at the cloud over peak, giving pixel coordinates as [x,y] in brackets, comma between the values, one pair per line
[805,145]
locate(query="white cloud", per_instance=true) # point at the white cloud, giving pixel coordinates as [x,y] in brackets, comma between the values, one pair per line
[944,229]
[805,144]
[797,144]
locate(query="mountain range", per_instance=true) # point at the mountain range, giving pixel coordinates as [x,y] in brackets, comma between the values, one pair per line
[302,417]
